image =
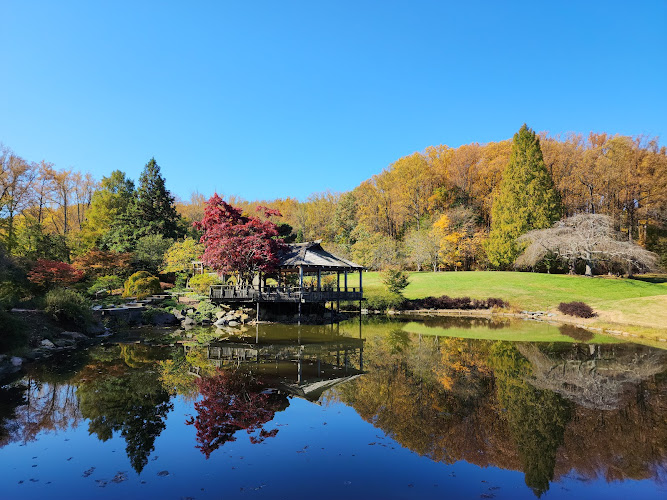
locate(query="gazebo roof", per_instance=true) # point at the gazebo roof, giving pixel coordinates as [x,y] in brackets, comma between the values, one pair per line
[311,256]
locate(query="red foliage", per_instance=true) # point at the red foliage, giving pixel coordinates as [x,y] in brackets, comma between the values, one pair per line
[236,243]
[47,273]
[99,263]
[233,400]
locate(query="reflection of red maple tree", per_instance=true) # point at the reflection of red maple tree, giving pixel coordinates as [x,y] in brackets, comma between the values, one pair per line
[233,400]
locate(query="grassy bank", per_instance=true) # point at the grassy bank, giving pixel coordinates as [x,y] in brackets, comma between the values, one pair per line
[631,305]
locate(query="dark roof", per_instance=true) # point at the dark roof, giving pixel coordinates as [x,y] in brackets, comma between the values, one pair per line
[312,256]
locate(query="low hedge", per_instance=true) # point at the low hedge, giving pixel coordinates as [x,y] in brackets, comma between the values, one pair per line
[446,302]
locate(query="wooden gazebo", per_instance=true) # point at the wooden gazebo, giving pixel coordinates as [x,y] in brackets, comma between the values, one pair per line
[301,259]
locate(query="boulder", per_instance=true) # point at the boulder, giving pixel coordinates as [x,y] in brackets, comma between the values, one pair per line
[220,322]
[65,342]
[16,361]
[220,314]
[233,323]
[188,321]
[163,318]
[177,314]
[73,335]
[47,343]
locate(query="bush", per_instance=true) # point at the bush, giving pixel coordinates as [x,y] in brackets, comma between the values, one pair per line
[395,280]
[200,282]
[109,283]
[141,284]
[49,273]
[384,301]
[446,302]
[578,309]
[68,306]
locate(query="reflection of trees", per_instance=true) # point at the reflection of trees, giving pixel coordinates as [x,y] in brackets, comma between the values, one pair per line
[41,407]
[481,402]
[10,399]
[233,400]
[176,373]
[537,418]
[117,397]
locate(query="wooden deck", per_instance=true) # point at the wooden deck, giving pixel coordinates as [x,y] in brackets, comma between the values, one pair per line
[223,293]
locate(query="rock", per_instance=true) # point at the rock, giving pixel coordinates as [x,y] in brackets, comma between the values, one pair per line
[244,317]
[220,314]
[163,318]
[233,323]
[47,343]
[97,308]
[73,335]
[16,361]
[65,342]
[188,321]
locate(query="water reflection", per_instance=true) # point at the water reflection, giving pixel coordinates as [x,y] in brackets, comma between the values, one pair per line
[550,410]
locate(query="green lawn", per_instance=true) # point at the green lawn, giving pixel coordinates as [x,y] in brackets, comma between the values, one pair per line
[616,300]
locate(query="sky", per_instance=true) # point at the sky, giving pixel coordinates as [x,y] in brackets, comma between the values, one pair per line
[276,99]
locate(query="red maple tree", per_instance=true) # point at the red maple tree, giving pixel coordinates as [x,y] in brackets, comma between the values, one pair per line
[237,243]
[48,273]
[233,400]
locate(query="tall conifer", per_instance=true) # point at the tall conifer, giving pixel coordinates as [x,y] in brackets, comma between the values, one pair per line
[526,199]
[154,210]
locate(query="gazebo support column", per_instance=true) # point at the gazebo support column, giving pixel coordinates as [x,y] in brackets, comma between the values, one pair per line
[346,281]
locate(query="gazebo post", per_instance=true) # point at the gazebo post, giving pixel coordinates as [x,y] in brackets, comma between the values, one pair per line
[338,291]
[346,281]
[319,280]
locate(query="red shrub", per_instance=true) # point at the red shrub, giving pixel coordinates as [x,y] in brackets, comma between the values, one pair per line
[578,309]
[48,273]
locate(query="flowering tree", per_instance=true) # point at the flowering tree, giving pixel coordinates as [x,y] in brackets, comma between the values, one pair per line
[239,244]
[48,273]
[233,400]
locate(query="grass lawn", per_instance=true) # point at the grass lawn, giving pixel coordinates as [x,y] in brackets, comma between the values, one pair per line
[617,301]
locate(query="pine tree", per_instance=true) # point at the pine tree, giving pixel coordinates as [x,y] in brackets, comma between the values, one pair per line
[154,211]
[526,199]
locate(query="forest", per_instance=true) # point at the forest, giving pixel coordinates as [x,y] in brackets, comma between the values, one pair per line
[431,210]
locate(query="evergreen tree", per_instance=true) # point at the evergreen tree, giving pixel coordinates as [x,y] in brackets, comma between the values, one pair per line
[526,199]
[154,211]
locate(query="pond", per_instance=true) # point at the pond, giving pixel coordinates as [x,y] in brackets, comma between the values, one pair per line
[383,408]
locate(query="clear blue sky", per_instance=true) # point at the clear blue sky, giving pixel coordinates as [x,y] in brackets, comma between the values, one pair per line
[282,98]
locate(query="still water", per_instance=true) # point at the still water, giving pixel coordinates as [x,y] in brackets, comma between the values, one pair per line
[382,409]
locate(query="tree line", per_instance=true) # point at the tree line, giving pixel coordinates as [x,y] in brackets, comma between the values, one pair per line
[431,210]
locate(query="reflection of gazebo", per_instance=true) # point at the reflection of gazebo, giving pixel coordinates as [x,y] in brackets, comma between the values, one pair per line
[302,259]
[303,368]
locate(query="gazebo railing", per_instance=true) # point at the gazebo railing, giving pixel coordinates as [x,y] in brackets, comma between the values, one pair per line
[282,294]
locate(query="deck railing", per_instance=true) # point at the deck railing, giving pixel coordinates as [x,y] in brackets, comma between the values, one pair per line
[282,294]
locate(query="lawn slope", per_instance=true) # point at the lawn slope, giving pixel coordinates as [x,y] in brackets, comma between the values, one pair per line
[617,301]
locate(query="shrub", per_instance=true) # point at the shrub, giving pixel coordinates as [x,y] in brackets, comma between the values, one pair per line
[200,282]
[578,309]
[49,273]
[68,306]
[395,280]
[446,302]
[108,282]
[384,301]
[141,284]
